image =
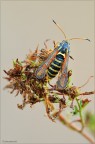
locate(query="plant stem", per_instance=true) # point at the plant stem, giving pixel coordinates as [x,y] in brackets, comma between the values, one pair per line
[73,127]
[80,113]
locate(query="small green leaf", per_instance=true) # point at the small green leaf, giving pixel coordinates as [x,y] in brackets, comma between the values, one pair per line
[23,77]
[56,96]
[68,83]
[19,63]
[80,103]
[40,85]
[14,63]
[33,63]
[75,111]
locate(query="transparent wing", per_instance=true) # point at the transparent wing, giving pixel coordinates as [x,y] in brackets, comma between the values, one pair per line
[63,78]
[41,71]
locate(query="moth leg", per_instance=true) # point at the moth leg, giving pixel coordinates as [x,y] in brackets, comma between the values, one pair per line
[71,57]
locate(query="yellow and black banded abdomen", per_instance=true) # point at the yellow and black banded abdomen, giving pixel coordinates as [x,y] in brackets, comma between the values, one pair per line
[55,66]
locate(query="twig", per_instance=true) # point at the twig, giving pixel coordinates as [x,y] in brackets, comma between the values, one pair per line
[87,93]
[73,127]
[86,82]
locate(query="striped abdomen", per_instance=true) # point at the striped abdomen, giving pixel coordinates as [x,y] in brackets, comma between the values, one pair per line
[55,66]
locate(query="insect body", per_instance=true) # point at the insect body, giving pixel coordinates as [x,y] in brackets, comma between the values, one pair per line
[56,64]
[57,61]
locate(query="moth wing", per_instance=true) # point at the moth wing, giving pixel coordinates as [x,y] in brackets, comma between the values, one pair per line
[63,78]
[41,71]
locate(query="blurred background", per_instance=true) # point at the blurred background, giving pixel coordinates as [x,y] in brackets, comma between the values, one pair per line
[24,24]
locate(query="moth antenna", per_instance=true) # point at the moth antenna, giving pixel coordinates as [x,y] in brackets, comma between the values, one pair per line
[59,28]
[79,39]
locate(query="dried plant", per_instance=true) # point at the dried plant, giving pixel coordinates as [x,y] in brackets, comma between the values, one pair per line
[22,79]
